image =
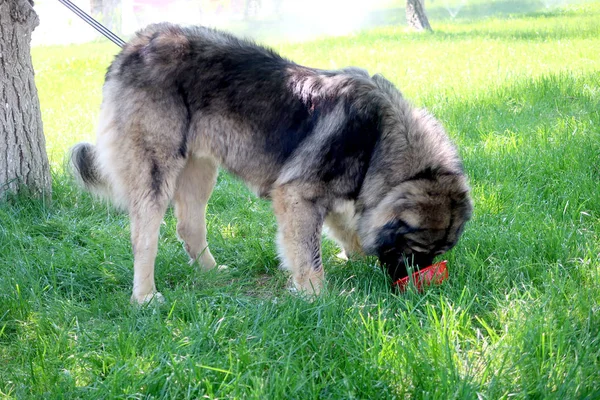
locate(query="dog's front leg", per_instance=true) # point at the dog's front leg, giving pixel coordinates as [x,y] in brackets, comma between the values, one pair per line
[300,222]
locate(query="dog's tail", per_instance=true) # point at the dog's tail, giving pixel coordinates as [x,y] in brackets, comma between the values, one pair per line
[83,161]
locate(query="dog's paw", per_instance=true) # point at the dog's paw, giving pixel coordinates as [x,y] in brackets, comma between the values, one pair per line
[149,298]
[342,255]
[218,267]
[306,295]
[307,288]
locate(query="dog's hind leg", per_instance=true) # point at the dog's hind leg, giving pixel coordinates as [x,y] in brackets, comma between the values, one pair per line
[149,196]
[300,222]
[146,216]
[194,187]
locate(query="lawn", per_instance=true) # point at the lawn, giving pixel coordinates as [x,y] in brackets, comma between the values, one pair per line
[519,316]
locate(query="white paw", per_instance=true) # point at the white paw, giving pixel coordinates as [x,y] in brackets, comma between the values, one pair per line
[301,294]
[149,298]
[308,290]
[342,255]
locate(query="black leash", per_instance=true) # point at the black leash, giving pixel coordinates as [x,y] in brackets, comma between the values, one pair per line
[97,25]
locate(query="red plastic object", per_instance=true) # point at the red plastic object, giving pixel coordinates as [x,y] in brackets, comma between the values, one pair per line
[435,274]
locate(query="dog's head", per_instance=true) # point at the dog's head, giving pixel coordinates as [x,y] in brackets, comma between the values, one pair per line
[416,221]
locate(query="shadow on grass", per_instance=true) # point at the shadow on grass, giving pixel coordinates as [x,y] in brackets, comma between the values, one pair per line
[532,152]
[497,9]
[291,25]
[563,29]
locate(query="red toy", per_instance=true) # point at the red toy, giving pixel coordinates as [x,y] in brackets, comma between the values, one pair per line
[435,274]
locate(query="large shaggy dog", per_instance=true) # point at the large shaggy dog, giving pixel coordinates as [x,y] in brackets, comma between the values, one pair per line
[339,148]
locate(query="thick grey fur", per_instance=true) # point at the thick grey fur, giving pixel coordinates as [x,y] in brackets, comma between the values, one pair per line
[340,148]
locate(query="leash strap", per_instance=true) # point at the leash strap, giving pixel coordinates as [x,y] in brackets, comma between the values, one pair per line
[97,25]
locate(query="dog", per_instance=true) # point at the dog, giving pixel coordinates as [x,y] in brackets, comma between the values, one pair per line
[337,148]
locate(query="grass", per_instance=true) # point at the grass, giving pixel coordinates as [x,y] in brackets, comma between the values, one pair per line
[519,316]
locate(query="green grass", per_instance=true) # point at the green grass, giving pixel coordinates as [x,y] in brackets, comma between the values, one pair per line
[519,316]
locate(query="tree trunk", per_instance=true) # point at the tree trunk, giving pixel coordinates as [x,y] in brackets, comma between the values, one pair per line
[112,15]
[23,159]
[415,15]
[95,7]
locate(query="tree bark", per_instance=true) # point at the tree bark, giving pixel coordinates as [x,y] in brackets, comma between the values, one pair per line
[95,7]
[415,15]
[23,159]
[112,15]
